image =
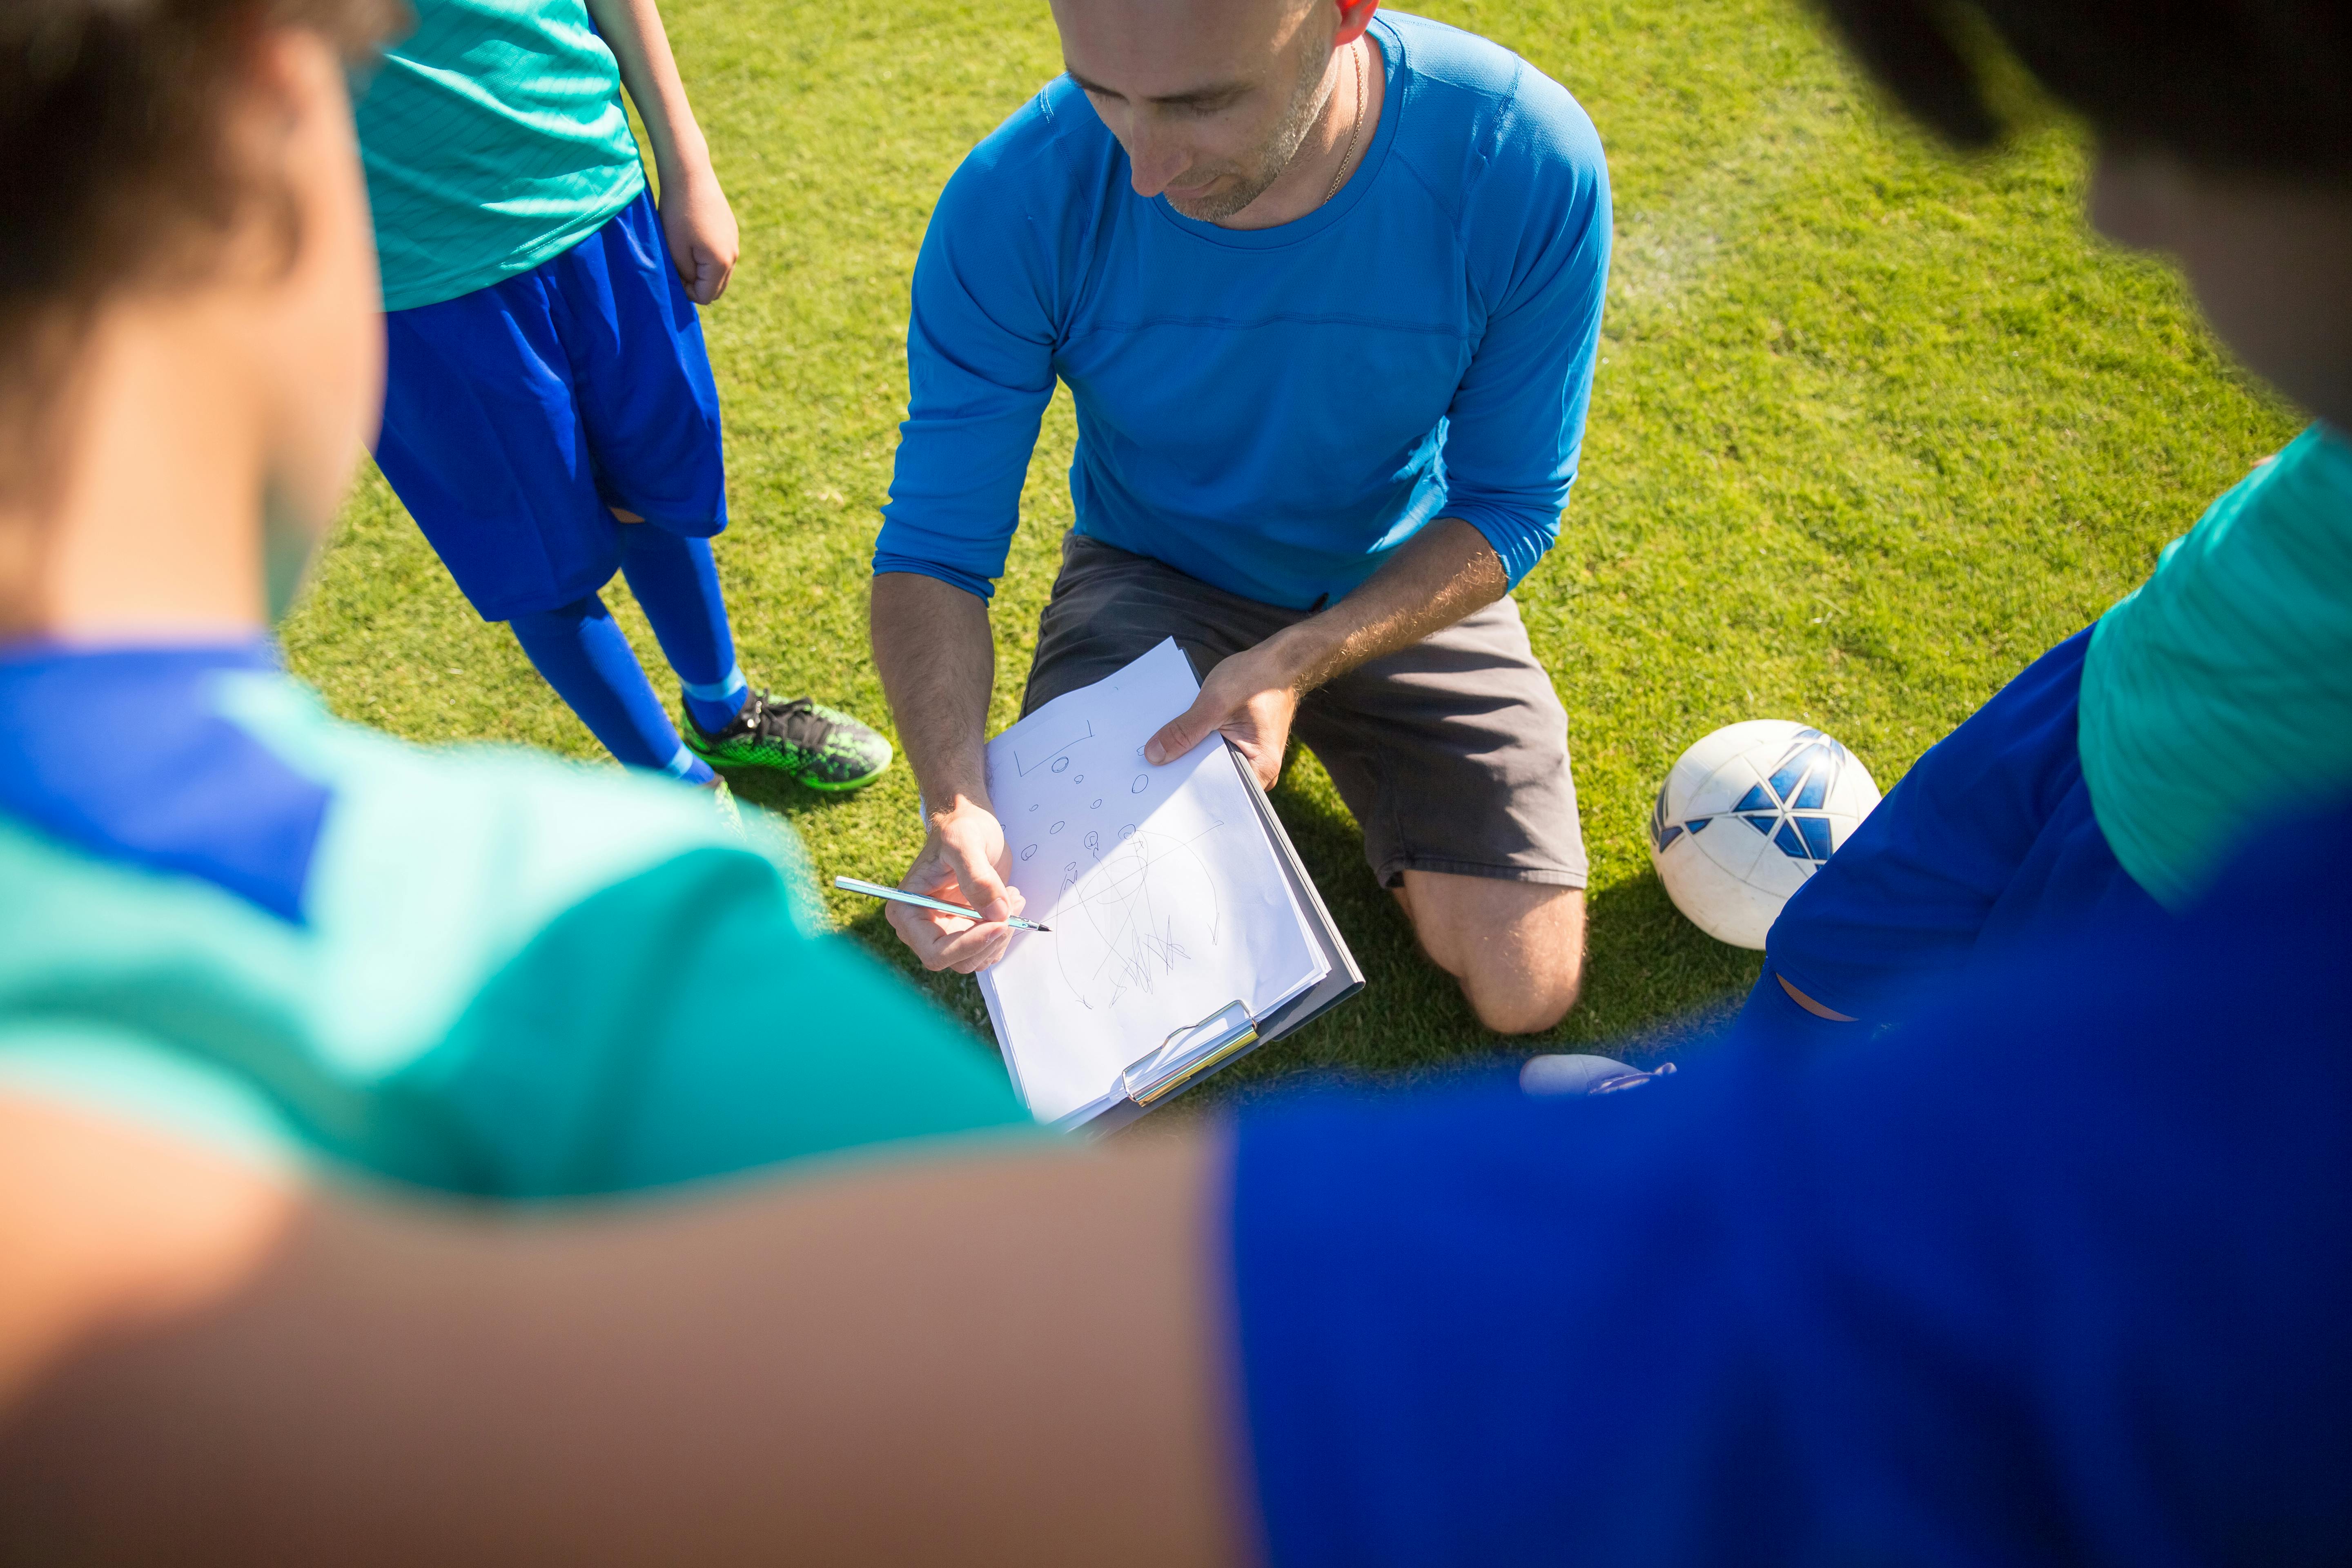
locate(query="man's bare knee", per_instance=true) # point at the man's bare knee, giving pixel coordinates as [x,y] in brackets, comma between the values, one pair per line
[1516,1002]
[1516,948]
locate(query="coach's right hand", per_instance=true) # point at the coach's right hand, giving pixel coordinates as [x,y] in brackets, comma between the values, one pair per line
[964,861]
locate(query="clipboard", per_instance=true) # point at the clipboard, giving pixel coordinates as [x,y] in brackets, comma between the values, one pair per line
[1196,1051]
[1176,906]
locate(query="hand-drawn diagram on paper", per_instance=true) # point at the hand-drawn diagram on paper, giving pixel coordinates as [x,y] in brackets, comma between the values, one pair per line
[1050,748]
[1132,917]
[1165,897]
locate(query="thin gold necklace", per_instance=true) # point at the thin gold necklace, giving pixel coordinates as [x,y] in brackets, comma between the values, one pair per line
[1341,172]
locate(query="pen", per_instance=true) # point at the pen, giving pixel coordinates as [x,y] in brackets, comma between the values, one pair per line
[900,896]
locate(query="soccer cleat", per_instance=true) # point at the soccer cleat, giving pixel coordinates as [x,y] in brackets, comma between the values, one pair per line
[824,748]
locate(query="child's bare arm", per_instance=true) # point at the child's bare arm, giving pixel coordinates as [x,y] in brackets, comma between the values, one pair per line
[696,218]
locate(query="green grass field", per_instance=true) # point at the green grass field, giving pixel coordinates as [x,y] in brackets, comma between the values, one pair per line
[1873,427]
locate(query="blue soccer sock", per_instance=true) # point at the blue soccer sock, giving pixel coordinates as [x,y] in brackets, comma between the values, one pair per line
[677,585]
[580,651]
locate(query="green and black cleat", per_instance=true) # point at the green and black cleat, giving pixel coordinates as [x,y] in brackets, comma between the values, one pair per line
[824,748]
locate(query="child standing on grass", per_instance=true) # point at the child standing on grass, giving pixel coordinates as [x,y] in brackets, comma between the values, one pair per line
[549,416]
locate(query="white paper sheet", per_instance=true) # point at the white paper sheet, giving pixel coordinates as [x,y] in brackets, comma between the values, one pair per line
[1166,900]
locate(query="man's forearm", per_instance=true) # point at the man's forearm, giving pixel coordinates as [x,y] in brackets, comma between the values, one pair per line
[1444,572]
[938,660]
[632,30]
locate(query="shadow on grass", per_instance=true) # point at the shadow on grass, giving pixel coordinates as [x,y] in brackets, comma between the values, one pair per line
[788,798]
[1652,980]
[1655,985]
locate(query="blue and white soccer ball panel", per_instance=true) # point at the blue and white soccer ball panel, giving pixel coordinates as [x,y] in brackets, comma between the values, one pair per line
[1747,815]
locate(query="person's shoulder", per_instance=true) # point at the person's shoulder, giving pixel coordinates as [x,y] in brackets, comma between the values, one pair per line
[1475,106]
[1019,210]
[426,876]
[2315,468]
[457,855]
[1054,144]
[526,833]
[2288,524]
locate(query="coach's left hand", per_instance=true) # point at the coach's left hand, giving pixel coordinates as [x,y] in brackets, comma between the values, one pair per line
[1444,573]
[700,228]
[1251,698]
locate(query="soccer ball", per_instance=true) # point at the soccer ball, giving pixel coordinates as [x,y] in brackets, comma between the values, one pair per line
[1747,815]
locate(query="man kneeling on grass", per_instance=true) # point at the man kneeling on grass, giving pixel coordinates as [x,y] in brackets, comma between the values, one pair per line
[1326,290]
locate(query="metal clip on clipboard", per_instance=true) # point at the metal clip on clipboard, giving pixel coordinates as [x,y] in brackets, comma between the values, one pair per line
[1186,1055]
[1188,1052]
[1192,1053]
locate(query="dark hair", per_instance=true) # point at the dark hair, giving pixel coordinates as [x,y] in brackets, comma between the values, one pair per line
[112,167]
[2257,86]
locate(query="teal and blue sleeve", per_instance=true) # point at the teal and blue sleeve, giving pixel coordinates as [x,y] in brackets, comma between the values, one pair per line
[1540,223]
[682,1025]
[115,1070]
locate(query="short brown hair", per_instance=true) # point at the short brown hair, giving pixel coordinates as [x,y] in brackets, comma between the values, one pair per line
[113,168]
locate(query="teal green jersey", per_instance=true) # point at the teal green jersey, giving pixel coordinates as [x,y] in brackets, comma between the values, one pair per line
[477,970]
[494,138]
[2220,693]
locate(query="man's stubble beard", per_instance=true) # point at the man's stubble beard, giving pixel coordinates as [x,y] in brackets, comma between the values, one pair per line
[1308,100]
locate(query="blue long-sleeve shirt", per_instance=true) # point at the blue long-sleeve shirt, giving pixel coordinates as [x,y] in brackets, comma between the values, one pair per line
[1273,411]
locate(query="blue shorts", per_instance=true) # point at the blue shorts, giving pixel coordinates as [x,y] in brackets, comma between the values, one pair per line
[1988,845]
[517,417]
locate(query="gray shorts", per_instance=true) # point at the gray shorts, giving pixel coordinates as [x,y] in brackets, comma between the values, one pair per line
[1453,754]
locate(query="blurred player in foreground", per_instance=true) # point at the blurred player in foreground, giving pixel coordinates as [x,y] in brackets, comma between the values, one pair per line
[232,919]
[2066,1281]
[2119,772]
